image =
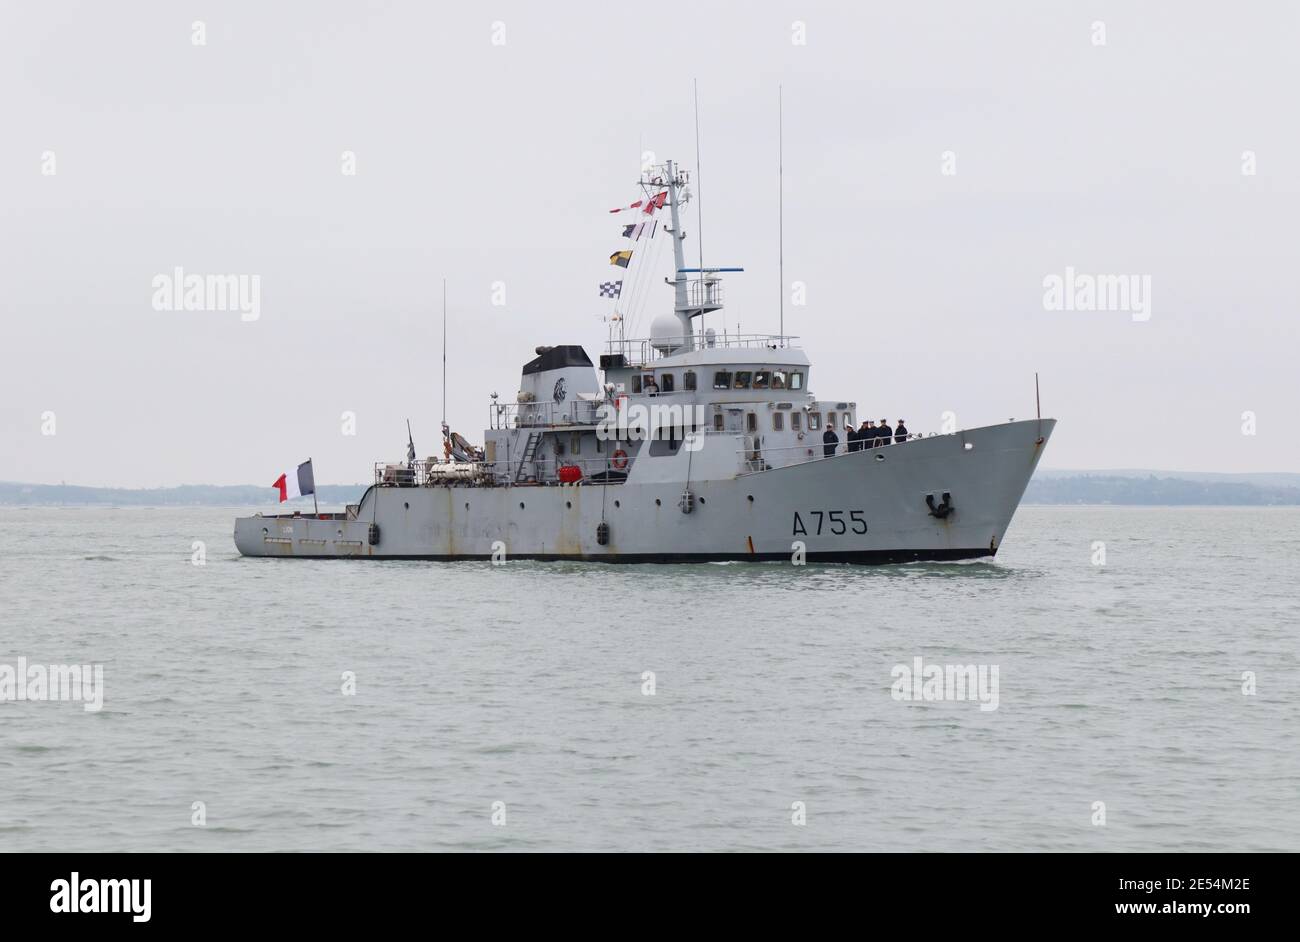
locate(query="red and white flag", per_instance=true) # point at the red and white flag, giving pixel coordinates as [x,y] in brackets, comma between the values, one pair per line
[637,205]
[647,206]
[296,483]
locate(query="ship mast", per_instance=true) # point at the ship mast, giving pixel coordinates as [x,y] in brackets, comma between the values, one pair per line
[690,299]
[680,306]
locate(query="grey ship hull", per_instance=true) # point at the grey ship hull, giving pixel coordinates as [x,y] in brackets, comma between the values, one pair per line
[863,507]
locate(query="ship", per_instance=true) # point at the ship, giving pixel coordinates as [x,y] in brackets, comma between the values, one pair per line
[691,445]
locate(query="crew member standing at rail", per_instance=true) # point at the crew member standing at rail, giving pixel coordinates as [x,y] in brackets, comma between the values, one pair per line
[829,441]
[886,433]
[900,432]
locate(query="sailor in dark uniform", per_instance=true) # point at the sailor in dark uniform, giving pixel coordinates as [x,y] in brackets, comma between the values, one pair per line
[829,441]
[851,437]
[886,433]
[900,432]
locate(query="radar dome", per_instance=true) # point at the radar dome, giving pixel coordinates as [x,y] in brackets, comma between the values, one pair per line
[666,333]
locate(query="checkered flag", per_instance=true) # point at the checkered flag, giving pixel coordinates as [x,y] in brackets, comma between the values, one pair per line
[611,289]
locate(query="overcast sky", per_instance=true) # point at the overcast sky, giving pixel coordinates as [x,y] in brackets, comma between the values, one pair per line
[488,163]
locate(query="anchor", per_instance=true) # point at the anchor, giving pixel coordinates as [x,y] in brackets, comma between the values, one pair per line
[942,509]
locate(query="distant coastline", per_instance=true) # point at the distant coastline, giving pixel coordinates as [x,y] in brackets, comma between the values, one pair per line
[1049,486]
[1163,488]
[186,495]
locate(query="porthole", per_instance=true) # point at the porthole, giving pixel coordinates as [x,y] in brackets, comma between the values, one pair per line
[617,504]
[658,502]
[968,446]
[265,532]
[467,506]
[880,457]
[751,498]
[521,505]
[701,500]
[568,504]
[406,505]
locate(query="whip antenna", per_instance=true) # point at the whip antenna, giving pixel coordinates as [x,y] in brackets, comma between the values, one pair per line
[699,203]
[780,202]
[444,352]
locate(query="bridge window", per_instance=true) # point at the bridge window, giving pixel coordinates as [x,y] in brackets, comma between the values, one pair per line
[830,419]
[661,447]
[796,421]
[761,379]
[778,421]
[796,380]
[666,382]
[751,422]
[636,383]
[814,421]
[778,379]
[722,380]
[673,434]
[742,379]
[688,381]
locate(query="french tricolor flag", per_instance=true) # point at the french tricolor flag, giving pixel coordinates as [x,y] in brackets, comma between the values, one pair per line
[296,483]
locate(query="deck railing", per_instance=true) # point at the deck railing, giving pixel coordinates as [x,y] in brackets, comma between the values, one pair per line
[425,472]
[431,473]
[755,457]
[604,468]
[639,351]
[545,414]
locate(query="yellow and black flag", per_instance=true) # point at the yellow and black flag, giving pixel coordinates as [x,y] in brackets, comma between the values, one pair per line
[621,258]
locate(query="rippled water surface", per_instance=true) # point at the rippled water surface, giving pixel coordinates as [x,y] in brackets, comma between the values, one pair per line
[523,684]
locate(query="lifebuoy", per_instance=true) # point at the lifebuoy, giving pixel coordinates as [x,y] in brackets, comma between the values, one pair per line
[619,460]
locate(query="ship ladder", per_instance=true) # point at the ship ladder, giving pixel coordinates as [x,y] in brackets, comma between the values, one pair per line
[530,450]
